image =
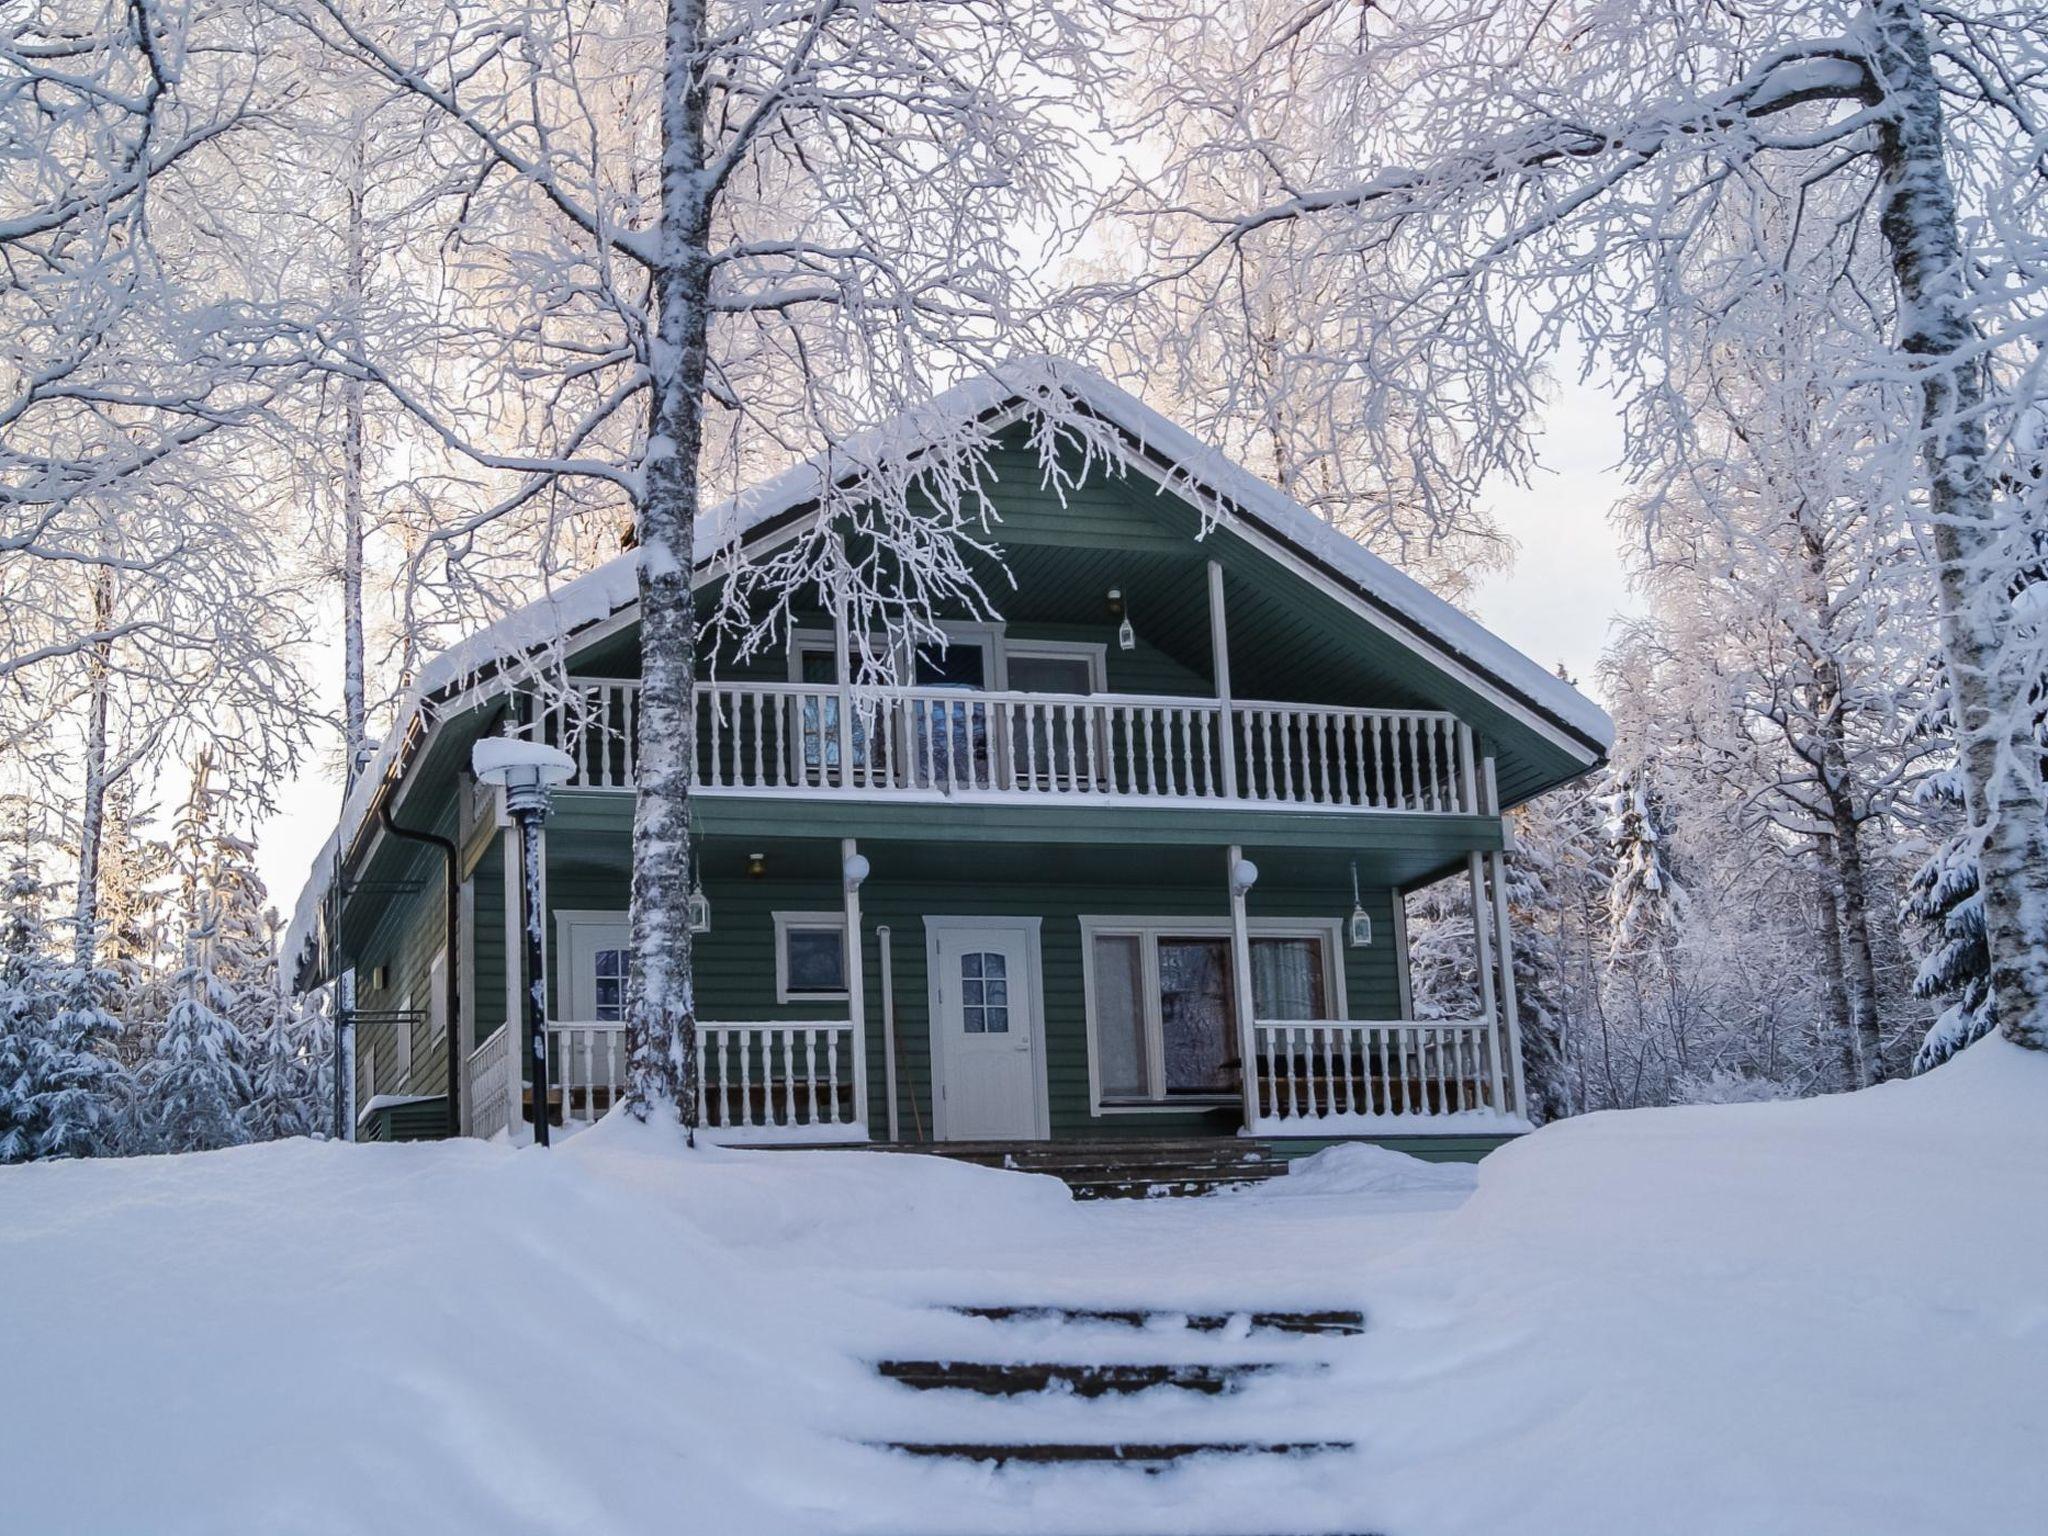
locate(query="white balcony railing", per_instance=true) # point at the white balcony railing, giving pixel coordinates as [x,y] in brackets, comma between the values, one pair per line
[1335,1077]
[806,738]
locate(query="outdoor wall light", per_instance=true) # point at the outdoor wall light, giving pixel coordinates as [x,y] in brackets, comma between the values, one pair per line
[1244,874]
[1113,602]
[757,865]
[854,871]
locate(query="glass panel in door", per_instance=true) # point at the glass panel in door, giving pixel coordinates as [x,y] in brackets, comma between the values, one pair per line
[1195,1010]
[952,734]
[1049,743]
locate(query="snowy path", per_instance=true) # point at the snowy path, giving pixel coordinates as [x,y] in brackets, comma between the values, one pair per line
[1821,1319]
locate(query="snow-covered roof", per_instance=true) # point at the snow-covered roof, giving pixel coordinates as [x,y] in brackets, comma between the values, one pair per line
[1236,495]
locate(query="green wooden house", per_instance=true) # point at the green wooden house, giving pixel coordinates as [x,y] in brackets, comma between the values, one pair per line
[1125,861]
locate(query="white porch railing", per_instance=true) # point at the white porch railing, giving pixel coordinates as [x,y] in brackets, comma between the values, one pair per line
[487,1078]
[1329,1077]
[782,1082]
[768,738]
[758,1083]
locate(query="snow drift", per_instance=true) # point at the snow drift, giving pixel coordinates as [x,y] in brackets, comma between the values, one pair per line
[1812,1317]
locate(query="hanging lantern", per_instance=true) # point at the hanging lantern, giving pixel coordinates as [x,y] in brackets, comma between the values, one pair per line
[699,909]
[1359,928]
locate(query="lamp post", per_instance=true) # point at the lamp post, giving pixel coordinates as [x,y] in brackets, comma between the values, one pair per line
[528,771]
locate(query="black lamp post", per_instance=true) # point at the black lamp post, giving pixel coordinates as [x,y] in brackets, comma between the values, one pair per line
[527,772]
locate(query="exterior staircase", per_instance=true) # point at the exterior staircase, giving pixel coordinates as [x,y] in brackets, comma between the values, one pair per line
[1055,1386]
[1131,1170]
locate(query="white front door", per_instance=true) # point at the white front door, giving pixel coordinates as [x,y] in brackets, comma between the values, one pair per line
[592,950]
[988,1071]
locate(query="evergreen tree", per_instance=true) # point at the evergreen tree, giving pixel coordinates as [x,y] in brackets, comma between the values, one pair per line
[1644,899]
[62,1093]
[287,1046]
[196,1086]
[86,1091]
[27,999]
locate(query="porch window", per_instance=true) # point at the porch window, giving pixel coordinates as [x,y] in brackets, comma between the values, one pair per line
[810,957]
[1162,1011]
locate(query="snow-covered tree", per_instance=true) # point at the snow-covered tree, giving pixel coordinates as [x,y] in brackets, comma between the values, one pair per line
[1645,901]
[62,1093]
[1525,168]
[289,1051]
[195,1087]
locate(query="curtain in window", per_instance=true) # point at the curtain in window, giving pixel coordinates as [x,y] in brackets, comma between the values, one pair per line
[1287,979]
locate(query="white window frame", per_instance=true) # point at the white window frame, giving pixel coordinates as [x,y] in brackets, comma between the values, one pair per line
[784,921]
[1148,931]
[1094,652]
[988,637]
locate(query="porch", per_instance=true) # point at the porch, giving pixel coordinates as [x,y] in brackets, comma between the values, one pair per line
[1023,994]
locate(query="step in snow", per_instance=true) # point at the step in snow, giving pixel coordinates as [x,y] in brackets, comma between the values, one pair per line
[1148,1457]
[1340,1322]
[1010,1379]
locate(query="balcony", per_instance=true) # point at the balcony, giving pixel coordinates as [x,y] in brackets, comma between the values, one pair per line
[953,745]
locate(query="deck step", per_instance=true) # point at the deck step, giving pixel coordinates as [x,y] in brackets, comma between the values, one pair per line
[1103,1170]
[1010,1380]
[1152,1457]
[1329,1321]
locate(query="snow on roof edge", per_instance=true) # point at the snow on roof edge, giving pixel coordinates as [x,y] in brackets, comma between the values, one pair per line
[605,589]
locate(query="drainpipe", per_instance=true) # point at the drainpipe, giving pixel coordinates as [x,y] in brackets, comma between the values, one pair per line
[450,858]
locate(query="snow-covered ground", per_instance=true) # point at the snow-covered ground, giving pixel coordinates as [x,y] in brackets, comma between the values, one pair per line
[1819,1317]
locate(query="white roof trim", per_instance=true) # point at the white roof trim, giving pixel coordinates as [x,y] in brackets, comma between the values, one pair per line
[1480,659]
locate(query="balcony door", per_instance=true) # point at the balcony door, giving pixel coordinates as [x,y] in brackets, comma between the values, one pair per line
[988,1052]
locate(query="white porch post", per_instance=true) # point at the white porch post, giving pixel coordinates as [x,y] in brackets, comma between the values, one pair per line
[842,652]
[1236,871]
[853,869]
[1219,650]
[1488,1003]
[1505,954]
[515,988]
[1511,1031]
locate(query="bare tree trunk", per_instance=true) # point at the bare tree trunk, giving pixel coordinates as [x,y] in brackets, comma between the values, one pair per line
[354,713]
[1841,1028]
[92,809]
[662,1012]
[2002,788]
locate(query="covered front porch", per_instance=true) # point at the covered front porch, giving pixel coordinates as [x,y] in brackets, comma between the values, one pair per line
[1024,991]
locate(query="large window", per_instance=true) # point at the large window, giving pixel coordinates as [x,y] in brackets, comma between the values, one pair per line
[1162,1006]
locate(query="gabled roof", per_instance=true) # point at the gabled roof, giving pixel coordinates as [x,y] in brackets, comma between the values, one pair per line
[1239,501]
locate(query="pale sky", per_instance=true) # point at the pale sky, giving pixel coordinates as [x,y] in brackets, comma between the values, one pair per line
[1556,604]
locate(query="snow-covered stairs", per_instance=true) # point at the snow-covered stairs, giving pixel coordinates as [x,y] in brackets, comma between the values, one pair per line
[1053,1386]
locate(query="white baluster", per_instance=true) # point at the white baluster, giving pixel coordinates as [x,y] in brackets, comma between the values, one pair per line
[832,1073]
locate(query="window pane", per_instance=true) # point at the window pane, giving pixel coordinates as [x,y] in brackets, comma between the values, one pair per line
[608,996]
[954,666]
[1287,979]
[819,664]
[983,1008]
[1120,1018]
[1194,1014]
[816,960]
[1050,674]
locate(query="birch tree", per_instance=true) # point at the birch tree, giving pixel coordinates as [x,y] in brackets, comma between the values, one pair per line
[1531,168]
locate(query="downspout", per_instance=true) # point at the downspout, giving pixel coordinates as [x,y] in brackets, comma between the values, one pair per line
[452,939]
